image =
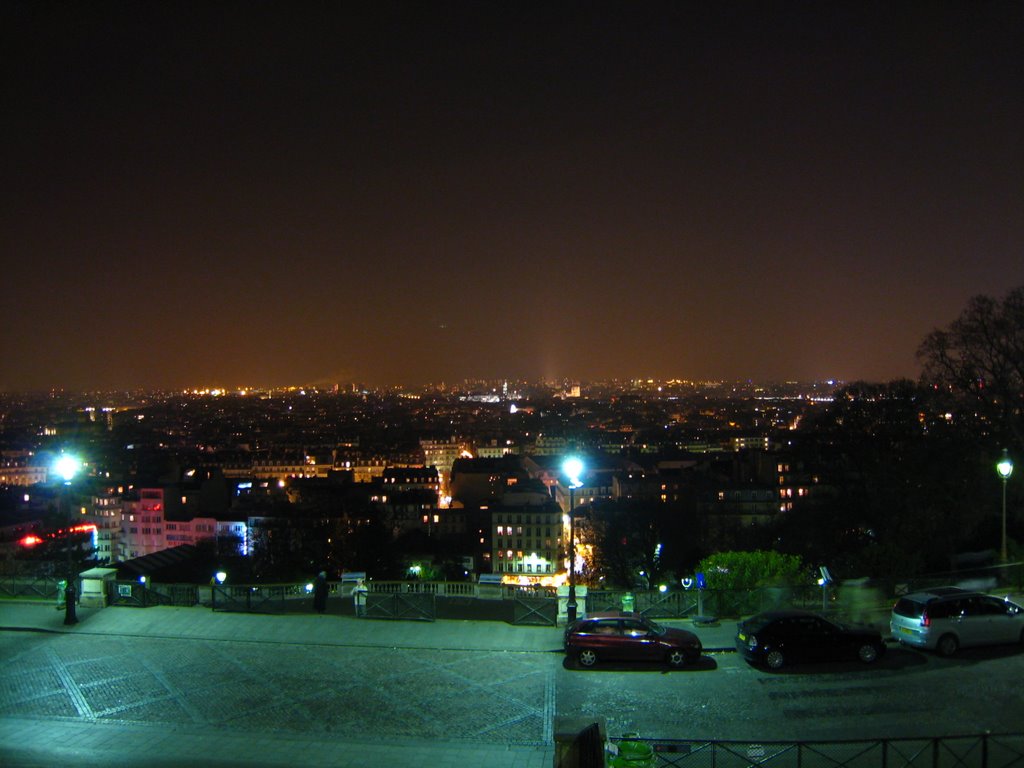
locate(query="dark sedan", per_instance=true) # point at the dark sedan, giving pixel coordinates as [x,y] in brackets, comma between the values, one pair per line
[621,636]
[777,638]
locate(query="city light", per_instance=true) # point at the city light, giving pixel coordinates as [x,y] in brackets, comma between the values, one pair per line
[67,466]
[1005,469]
[573,468]
[32,539]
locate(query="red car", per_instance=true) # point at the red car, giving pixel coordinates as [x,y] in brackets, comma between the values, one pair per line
[620,636]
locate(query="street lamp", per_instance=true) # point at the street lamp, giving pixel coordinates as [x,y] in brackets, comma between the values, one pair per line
[67,466]
[217,581]
[573,468]
[1005,469]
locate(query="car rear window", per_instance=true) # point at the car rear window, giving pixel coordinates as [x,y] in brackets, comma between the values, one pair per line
[944,609]
[909,608]
[756,624]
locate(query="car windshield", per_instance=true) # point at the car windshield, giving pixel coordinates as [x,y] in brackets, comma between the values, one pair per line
[655,628]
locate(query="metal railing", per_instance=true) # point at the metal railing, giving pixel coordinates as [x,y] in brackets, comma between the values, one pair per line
[137,595]
[976,751]
[263,598]
[41,587]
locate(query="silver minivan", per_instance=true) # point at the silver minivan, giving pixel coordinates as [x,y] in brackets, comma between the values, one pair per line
[945,619]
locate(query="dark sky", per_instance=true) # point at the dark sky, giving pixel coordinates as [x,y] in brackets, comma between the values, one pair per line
[262,194]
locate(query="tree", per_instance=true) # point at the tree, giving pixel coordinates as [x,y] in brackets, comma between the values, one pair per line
[748,570]
[630,536]
[979,359]
[898,467]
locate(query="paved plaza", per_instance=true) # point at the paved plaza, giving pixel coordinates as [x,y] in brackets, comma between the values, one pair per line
[184,684]
[172,686]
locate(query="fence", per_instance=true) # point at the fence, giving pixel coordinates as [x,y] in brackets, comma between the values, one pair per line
[263,598]
[424,601]
[40,587]
[977,751]
[138,595]
[863,602]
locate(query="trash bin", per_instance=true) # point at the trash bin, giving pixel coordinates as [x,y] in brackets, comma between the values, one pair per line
[630,753]
[628,602]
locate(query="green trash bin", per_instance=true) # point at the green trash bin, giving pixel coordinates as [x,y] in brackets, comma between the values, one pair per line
[628,602]
[632,753]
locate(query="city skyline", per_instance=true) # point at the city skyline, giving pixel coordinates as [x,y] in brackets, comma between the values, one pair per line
[404,193]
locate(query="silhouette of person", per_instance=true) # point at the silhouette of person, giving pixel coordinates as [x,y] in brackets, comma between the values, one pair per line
[320,592]
[359,597]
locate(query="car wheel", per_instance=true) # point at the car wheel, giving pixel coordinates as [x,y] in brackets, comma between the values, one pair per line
[586,658]
[676,658]
[947,645]
[775,659]
[867,653]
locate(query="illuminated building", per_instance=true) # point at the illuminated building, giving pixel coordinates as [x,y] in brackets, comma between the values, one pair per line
[105,511]
[442,454]
[148,527]
[18,470]
[525,541]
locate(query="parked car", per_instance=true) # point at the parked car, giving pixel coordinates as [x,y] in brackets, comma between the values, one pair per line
[623,636]
[778,638]
[945,619]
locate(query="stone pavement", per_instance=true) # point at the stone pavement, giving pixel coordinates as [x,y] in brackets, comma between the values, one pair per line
[170,686]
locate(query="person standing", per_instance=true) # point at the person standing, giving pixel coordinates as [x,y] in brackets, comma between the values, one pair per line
[320,592]
[359,597]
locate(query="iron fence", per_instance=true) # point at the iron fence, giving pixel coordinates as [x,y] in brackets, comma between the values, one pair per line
[263,598]
[137,595]
[689,603]
[33,587]
[865,602]
[534,611]
[419,606]
[976,751]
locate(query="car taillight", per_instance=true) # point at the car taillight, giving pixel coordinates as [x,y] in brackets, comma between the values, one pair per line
[925,620]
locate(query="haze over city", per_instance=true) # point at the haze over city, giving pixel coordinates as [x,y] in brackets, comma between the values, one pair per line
[401,192]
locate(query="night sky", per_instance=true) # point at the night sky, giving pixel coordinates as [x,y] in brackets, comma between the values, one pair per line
[265,194]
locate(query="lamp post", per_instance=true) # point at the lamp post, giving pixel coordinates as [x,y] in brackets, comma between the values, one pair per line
[217,581]
[1005,469]
[573,468]
[67,467]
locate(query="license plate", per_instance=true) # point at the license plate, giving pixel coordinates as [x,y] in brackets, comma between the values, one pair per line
[906,630]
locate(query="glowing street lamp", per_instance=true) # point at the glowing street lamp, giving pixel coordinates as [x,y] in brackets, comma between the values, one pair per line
[218,581]
[67,466]
[1005,469]
[573,468]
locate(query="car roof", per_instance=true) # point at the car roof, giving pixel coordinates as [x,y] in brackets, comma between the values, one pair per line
[936,592]
[784,613]
[611,615]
